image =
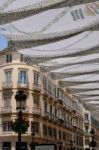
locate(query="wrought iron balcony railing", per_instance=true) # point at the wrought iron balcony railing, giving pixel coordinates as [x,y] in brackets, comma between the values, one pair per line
[5,110]
[22,85]
[7,85]
[36,87]
[36,110]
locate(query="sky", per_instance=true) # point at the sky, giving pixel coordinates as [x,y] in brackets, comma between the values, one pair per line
[3,43]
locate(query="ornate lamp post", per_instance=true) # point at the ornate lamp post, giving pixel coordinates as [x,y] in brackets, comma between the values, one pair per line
[61,145]
[32,144]
[93,142]
[71,143]
[20,125]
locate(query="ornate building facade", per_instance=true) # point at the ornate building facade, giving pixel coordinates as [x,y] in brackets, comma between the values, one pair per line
[90,122]
[53,112]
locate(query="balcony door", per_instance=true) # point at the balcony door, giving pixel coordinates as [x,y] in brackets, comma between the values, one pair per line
[8,76]
[23,77]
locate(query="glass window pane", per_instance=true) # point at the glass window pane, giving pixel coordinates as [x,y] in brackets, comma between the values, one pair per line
[23,77]
[8,76]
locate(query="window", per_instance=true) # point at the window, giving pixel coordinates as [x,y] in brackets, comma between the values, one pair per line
[9,58]
[46,107]
[8,76]
[59,93]
[54,90]
[86,129]
[6,145]
[87,141]
[45,82]
[36,78]
[50,131]
[54,132]
[7,101]
[50,86]
[36,101]
[64,135]
[7,126]
[21,57]
[23,77]
[59,134]
[35,127]
[23,146]
[55,112]
[44,129]
[86,117]
[50,109]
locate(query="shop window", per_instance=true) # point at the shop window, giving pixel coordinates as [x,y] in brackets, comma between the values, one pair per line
[23,146]
[6,145]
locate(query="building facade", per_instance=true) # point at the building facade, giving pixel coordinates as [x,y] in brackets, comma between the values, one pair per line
[90,122]
[53,113]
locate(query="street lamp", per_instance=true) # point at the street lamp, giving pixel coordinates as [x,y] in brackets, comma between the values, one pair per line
[20,102]
[71,143]
[20,125]
[32,144]
[93,142]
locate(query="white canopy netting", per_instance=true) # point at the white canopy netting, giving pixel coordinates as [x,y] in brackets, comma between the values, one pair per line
[56,24]
[60,36]
[14,9]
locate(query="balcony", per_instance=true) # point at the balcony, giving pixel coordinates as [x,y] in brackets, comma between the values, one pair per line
[60,100]
[51,117]
[22,85]
[78,130]
[60,121]
[46,115]
[7,85]
[86,133]
[68,125]
[37,87]
[87,121]
[51,95]
[69,108]
[55,119]
[45,92]
[36,111]
[74,111]
[6,110]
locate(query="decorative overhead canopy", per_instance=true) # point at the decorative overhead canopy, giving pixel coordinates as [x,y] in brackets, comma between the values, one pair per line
[76,46]
[62,37]
[14,9]
[78,19]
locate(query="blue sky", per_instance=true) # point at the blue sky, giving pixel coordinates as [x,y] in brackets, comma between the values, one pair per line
[3,42]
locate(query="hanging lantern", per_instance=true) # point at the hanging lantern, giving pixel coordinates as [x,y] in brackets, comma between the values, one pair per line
[20,100]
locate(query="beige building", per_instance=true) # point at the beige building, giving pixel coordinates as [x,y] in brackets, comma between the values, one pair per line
[54,114]
[91,122]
